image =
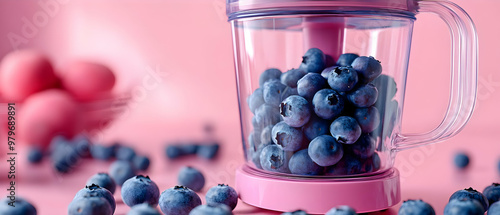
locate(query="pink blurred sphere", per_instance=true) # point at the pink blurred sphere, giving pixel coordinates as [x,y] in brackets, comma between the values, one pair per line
[46,114]
[87,80]
[25,72]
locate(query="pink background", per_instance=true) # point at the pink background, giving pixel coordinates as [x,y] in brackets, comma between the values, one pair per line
[188,44]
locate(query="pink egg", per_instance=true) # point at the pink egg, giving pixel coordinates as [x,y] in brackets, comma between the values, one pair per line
[46,114]
[25,72]
[87,80]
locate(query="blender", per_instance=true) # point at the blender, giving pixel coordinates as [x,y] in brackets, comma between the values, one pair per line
[315,141]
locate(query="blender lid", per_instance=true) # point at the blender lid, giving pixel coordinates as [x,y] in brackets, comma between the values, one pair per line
[251,8]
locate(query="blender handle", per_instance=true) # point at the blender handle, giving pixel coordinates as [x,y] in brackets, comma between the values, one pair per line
[463,75]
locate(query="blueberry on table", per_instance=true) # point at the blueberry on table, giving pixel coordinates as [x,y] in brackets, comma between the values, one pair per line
[290,138]
[101,152]
[416,207]
[296,212]
[492,193]
[342,79]
[89,205]
[222,194]
[470,193]
[274,158]
[22,207]
[211,210]
[96,191]
[341,210]
[125,153]
[367,118]
[494,209]
[345,130]
[328,104]
[364,147]
[141,162]
[35,155]
[269,74]
[301,164]
[316,127]
[208,151]
[140,189]
[178,200]
[311,83]
[103,180]
[346,59]
[314,61]
[461,160]
[64,157]
[463,206]
[291,77]
[188,148]
[143,209]
[295,111]
[121,170]
[325,151]
[82,143]
[173,152]
[191,178]
[364,96]
[256,99]
[273,92]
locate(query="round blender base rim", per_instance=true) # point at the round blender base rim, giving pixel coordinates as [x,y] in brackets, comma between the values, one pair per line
[317,196]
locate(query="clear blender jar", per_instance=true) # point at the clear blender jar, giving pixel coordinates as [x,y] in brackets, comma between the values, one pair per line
[321,91]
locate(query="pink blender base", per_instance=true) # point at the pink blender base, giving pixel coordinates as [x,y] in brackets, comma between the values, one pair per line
[316,195]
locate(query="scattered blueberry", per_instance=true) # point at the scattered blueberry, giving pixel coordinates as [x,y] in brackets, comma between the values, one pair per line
[311,83]
[121,170]
[256,99]
[143,209]
[288,137]
[325,151]
[342,79]
[35,155]
[297,212]
[22,207]
[125,153]
[316,127]
[222,194]
[140,189]
[368,68]
[178,200]
[295,111]
[82,144]
[267,115]
[301,164]
[314,61]
[208,151]
[64,157]
[273,92]
[328,104]
[141,162]
[470,193]
[494,209]
[269,74]
[274,158]
[342,210]
[346,59]
[463,206]
[191,178]
[173,151]
[416,207]
[364,96]
[101,152]
[492,193]
[461,160]
[368,118]
[211,210]
[95,190]
[345,130]
[89,205]
[291,77]
[188,148]
[103,180]
[364,147]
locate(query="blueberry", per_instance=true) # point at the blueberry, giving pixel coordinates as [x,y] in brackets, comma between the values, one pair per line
[372,163]
[125,153]
[348,165]
[64,157]
[301,164]
[416,207]
[191,178]
[269,74]
[494,209]
[188,148]
[178,200]
[492,193]
[326,72]
[328,104]
[101,152]
[35,155]
[141,162]
[208,151]
[82,144]
[89,205]
[364,147]
[346,59]
[121,170]
[291,77]
[461,160]
[96,191]
[345,130]
[288,137]
[273,92]
[364,96]
[274,158]
[342,79]
[266,115]
[470,193]
[256,99]
[257,153]
[57,141]
[316,127]
[103,180]
[266,137]
[211,210]
[140,189]
[173,151]
[296,212]
[222,194]
[22,207]
[253,141]
[368,118]
[295,111]
[143,209]
[368,68]
[386,86]
[325,151]
[341,210]
[463,206]
[311,83]
[314,61]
